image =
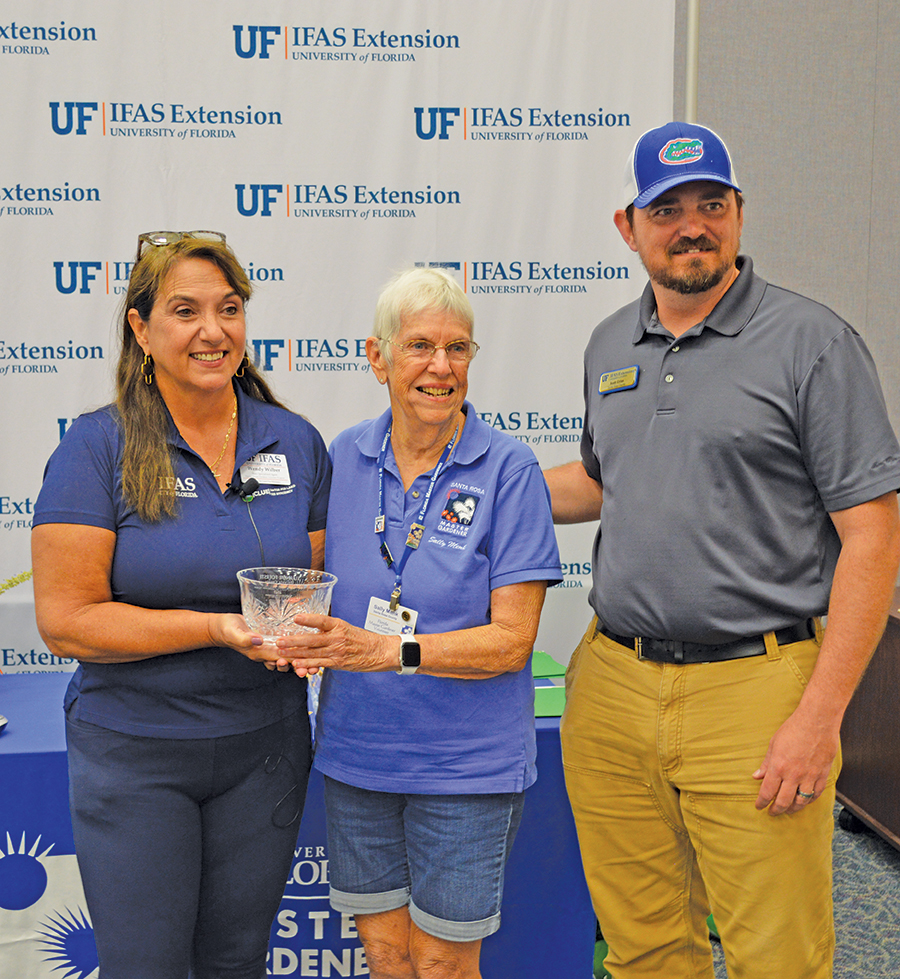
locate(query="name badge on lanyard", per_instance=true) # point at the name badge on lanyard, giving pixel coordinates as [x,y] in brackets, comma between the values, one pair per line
[416,528]
[385,621]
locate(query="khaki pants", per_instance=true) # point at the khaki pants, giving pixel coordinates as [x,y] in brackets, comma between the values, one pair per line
[658,761]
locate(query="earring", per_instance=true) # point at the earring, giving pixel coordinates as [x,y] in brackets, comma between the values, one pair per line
[245,363]
[147,370]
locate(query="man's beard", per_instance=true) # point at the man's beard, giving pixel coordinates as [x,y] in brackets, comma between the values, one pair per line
[696,276]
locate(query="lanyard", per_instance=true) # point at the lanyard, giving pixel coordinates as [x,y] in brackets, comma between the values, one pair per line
[417,527]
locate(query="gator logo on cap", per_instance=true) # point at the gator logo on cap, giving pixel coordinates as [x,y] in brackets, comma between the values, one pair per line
[681,151]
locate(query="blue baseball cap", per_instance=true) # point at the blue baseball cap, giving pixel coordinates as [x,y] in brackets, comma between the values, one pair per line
[675,154]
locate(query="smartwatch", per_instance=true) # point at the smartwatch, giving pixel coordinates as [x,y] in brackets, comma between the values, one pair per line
[410,656]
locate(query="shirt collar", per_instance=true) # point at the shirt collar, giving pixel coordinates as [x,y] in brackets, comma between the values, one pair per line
[473,442]
[254,432]
[730,314]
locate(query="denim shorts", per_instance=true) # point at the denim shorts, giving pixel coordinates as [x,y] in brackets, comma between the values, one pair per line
[443,855]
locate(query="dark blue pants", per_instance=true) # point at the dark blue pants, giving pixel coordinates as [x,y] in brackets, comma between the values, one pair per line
[185,846]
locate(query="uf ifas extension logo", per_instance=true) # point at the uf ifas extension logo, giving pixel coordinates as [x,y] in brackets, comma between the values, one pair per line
[258,41]
[33,888]
[440,119]
[72,116]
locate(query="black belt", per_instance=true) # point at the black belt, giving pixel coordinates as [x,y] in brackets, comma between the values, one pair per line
[673,651]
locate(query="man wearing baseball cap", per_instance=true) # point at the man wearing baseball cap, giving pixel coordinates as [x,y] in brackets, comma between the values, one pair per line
[737,440]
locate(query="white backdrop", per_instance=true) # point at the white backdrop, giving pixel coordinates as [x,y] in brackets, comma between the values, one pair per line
[333,143]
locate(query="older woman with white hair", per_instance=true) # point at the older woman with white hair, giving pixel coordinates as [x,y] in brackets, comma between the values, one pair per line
[440,534]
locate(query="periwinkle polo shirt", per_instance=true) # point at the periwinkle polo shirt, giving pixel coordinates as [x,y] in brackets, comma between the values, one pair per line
[428,734]
[720,466]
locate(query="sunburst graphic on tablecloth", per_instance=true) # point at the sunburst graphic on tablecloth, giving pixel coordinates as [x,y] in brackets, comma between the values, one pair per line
[23,878]
[71,940]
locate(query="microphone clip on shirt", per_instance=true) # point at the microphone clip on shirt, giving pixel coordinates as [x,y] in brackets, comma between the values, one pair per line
[245,490]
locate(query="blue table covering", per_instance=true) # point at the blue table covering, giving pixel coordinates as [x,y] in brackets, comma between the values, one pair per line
[547,930]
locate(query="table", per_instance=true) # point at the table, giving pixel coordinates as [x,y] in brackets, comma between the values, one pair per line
[869,784]
[548,925]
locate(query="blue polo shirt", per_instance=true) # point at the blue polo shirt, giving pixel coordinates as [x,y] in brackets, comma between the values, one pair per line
[488,525]
[189,562]
[720,466]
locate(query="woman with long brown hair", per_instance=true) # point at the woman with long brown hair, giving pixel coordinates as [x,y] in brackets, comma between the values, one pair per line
[188,757]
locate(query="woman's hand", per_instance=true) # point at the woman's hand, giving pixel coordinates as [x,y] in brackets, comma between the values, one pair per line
[230,629]
[337,645]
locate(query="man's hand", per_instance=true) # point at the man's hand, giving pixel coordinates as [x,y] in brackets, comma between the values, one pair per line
[797,765]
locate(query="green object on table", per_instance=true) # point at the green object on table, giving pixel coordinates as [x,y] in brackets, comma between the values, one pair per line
[600,950]
[549,701]
[544,665]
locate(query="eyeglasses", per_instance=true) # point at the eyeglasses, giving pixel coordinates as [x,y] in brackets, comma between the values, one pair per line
[160,238]
[458,351]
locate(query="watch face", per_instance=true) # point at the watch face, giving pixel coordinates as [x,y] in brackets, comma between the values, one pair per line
[410,653]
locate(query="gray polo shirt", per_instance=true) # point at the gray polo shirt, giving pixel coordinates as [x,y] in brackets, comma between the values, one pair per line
[721,464]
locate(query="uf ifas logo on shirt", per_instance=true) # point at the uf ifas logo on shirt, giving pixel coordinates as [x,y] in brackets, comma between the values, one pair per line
[180,487]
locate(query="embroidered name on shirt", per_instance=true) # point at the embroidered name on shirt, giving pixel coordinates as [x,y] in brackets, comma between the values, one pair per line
[621,380]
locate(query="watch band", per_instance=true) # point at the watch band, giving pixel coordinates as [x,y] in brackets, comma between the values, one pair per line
[410,656]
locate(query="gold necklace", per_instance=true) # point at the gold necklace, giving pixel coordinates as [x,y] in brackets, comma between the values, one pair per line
[212,468]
